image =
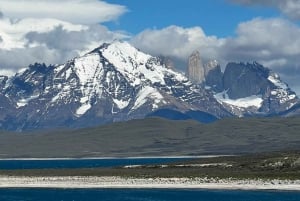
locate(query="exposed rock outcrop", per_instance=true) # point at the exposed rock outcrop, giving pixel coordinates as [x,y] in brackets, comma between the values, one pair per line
[242,80]
[244,88]
[195,70]
[213,75]
[208,74]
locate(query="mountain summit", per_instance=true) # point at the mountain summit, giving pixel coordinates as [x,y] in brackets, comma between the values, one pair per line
[114,82]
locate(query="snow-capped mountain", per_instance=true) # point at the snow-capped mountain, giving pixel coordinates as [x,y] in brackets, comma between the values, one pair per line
[252,89]
[114,82]
[117,82]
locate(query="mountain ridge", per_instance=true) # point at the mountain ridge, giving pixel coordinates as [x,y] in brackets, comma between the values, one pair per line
[114,82]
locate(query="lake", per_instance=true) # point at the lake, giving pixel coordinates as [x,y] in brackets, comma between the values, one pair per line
[85,163]
[143,195]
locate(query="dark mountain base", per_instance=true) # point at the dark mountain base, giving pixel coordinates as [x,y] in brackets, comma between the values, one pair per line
[157,137]
[200,116]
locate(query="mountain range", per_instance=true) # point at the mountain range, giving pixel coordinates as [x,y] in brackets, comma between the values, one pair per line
[117,82]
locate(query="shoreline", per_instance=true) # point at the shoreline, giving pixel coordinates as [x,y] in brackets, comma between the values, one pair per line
[80,182]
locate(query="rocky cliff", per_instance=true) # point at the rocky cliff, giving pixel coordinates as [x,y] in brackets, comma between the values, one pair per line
[195,70]
[246,88]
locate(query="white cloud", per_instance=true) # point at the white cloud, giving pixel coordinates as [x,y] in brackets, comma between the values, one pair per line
[75,11]
[13,33]
[177,42]
[272,42]
[52,31]
[47,40]
[290,8]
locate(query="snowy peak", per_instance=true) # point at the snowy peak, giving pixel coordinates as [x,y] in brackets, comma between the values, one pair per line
[133,64]
[123,50]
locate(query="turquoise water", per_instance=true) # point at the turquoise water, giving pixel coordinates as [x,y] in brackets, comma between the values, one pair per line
[143,195]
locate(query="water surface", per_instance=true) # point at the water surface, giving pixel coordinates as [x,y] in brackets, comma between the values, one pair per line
[143,195]
[84,163]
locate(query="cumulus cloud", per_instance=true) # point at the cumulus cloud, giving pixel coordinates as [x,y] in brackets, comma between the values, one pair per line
[177,42]
[272,42]
[47,40]
[13,32]
[290,8]
[63,40]
[52,31]
[275,42]
[75,11]
[21,57]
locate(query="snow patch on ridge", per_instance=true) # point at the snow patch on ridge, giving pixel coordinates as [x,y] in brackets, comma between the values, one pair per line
[86,67]
[274,78]
[121,104]
[82,109]
[23,102]
[282,91]
[145,94]
[251,101]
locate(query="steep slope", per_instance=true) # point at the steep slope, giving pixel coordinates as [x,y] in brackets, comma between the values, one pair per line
[255,89]
[114,82]
[244,89]
[7,106]
[252,89]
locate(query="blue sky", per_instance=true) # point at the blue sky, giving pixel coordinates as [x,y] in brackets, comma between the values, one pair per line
[54,31]
[216,17]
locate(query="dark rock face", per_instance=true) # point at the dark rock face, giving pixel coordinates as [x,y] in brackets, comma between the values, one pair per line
[244,80]
[214,76]
[244,89]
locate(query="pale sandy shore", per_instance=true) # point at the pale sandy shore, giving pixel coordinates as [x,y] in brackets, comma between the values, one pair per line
[119,182]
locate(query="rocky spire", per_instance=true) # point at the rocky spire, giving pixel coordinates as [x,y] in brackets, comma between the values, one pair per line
[213,75]
[195,70]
